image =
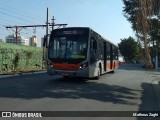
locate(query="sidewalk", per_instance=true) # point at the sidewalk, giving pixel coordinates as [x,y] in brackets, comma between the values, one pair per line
[23,73]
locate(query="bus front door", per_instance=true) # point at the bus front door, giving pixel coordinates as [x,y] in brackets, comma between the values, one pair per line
[111,57]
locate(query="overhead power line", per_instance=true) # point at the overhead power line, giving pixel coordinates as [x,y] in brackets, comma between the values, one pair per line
[24,15]
[17,10]
[15,17]
[4,24]
[19,28]
[10,21]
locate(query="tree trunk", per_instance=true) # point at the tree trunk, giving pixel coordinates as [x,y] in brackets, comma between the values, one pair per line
[149,64]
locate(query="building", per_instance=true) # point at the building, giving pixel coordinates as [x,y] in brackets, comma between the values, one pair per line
[21,40]
[33,41]
[120,57]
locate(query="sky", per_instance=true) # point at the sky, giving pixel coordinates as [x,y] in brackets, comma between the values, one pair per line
[103,16]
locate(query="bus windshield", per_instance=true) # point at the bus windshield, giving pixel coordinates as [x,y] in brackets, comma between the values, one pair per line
[68,48]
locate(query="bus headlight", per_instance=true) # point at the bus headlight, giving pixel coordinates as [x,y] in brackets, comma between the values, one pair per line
[83,66]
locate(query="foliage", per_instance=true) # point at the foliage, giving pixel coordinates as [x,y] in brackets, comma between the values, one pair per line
[140,13]
[137,11]
[16,58]
[130,49]
[155,30]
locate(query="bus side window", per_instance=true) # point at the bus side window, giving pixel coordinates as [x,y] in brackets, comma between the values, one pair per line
[108,51]
[95,45]
[93,49]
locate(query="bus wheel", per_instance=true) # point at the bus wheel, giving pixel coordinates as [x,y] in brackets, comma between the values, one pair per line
[112,71]
[98,73]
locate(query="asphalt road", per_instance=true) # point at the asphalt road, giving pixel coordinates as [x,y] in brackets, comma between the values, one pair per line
[128,89]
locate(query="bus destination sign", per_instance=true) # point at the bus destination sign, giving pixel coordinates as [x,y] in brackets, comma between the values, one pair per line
[70,32]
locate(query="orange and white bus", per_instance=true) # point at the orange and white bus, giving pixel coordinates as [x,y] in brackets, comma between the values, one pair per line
[80,52]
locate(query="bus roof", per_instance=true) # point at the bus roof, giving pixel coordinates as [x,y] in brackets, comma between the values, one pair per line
[104,38]
[90,30]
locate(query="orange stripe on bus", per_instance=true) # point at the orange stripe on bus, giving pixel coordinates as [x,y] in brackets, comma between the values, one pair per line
[64,66]
[108,66]
[114,65]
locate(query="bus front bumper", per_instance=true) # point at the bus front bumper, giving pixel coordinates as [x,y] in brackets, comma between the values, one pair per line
[72,73]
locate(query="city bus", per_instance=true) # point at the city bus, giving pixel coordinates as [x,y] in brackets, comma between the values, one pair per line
[80,52]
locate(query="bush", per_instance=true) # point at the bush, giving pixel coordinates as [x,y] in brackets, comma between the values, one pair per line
[16,58]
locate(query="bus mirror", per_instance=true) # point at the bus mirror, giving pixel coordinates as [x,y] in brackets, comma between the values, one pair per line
[95,44]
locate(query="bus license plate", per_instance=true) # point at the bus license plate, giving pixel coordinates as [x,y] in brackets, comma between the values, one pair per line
[65,74]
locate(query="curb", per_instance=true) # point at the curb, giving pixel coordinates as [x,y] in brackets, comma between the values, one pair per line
[6,76]
[19,74]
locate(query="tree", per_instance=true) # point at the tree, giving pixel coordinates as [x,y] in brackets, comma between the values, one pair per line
[130,49]
[155,30]
[139,14]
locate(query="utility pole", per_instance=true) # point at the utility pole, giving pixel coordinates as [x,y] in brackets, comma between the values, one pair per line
[17,27]
[53,23]
[35,26]
[16,35]
[46,41]
[16,32]
[47,26]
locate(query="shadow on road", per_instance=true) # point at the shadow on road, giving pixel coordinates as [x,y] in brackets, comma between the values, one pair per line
[149,102]
[62,88]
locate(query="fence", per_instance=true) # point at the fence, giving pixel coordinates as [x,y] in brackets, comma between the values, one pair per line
[18,58]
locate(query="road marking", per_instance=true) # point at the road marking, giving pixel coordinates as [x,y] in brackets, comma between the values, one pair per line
[5,76]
